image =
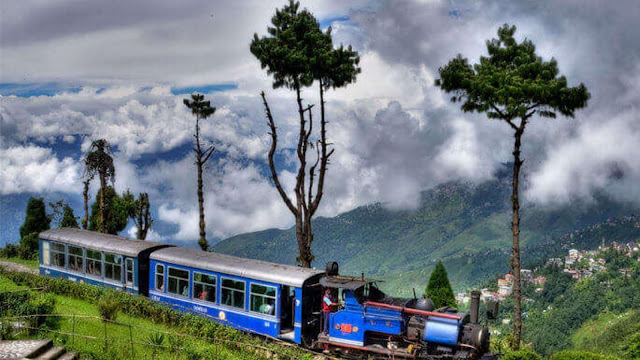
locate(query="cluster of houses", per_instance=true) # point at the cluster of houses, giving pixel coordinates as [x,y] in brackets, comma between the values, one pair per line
[580,264]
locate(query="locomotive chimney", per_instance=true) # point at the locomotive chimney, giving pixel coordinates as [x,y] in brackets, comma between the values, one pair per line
[474,306]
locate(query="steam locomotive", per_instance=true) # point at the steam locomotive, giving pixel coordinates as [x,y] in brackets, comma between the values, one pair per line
[273,300]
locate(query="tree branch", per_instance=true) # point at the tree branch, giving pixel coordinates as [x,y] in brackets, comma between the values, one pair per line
[272,150]
[208,153]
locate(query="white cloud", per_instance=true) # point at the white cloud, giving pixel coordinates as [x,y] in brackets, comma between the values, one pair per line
[601,156]
[237,200]
[36,169]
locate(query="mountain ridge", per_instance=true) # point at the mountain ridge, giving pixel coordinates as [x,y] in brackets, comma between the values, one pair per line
[465,225]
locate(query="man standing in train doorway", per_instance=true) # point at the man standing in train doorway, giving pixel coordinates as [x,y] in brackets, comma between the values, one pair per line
[327,303]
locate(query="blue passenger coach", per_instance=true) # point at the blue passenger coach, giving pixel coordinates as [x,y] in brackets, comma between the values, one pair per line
[95,258]
[250,295]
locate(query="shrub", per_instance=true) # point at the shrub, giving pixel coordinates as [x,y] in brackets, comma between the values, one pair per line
[580,355]
[108,306]
[9,251]
[28,248]
[524,354]
[6,330]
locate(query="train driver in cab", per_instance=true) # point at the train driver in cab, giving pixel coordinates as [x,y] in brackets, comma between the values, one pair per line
[328,305]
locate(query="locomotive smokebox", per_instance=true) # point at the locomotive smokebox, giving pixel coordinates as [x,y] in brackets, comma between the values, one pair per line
[332,268]
[474,307]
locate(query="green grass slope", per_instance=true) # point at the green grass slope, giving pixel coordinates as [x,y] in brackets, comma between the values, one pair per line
[609,334]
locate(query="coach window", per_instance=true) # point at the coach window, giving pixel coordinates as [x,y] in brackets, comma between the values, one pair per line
[263,299]
[233,293]
[94,263]
[113,267]
[178,282]
[204,287]
[46,253]
[159,277]
[129,270]
[57,255]
[75,259]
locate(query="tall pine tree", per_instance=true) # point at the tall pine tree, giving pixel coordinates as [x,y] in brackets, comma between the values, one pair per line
[439,289]
[512,84]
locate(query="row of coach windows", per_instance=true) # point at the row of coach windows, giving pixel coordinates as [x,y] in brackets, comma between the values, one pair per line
[88,261]
[263,298]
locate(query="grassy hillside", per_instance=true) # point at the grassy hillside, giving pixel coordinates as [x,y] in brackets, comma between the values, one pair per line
[609,333]
[467,226]
[184,336]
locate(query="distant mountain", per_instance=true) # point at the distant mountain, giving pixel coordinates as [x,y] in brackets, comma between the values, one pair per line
[465,225]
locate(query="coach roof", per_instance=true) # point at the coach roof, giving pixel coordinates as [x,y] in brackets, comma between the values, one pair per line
[231,265]
[98,241]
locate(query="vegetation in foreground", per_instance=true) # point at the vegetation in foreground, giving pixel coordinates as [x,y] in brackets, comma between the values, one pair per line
[182,335]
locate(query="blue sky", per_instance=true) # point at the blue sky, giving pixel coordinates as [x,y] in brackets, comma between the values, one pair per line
[119,70]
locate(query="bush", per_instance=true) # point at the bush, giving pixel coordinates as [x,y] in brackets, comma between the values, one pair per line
[10,251]
[6,330]
[108,306]
[524,354]
[28,248]
[580,355]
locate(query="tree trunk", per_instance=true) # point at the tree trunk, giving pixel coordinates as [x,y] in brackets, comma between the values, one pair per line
[203,237]
[202,242]
[515,229]
[85,194]
[103,183]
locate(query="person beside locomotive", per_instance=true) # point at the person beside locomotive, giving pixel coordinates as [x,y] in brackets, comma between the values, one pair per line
[327,307]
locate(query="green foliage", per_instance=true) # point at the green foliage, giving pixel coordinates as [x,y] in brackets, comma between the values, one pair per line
[609,333]
[297,52]
[634,347]
[28,249]
[183,323]
[7,332]
[99,162]
[116,212]
[22,303]
[511,82]
[69,219]
[36,220]
[108,306]
[524,354]
[157,341]
[200,108]
[139,212]
[439,289]
[580,355]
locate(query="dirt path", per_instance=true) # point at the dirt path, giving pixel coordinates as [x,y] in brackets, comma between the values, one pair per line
[17,267]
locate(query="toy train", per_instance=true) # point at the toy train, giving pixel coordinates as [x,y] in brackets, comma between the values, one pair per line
[279,301]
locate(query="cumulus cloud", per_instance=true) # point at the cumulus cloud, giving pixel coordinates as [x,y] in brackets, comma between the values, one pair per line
[36,169]
[394,132]
[237,199]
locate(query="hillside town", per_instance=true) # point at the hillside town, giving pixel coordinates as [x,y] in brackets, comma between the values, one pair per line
[580,264]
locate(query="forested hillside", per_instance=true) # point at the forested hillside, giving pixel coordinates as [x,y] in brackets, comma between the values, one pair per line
[467,226]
